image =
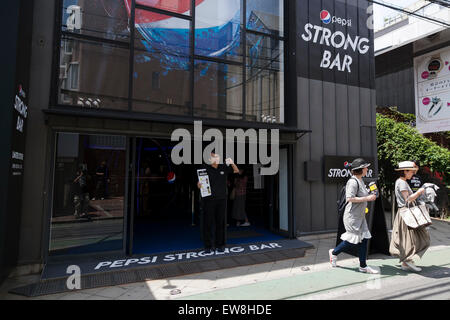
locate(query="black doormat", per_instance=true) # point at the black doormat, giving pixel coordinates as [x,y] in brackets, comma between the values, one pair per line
[234,234]
[99,273]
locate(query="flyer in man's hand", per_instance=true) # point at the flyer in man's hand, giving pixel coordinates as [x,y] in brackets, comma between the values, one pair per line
[204,180]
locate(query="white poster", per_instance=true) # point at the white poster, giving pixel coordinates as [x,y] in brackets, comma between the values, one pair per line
[432,85]
[203,178]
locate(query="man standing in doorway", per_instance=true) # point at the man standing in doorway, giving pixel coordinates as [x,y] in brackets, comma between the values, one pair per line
[215,205]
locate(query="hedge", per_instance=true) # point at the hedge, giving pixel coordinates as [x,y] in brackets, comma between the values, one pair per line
[400,142]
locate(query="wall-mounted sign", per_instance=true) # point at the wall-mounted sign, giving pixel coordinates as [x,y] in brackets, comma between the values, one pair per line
[338,168]
[432,85]
[20,115]
[337,36]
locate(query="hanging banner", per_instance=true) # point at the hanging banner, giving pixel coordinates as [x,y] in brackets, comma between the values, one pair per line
[336,40]
[432,85]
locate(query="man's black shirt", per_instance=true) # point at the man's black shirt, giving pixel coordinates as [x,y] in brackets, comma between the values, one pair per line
[218,181]
[415,183]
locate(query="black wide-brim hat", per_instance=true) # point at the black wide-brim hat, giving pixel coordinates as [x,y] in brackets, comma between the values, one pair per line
[359,163]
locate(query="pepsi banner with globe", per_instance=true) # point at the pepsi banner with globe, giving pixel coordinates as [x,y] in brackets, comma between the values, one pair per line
[335,42]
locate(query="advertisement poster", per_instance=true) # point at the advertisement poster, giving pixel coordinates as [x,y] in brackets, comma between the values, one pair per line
[204,180]
[432,87]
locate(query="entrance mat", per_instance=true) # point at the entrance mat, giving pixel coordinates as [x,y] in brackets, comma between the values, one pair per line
[102,273]
[243,234]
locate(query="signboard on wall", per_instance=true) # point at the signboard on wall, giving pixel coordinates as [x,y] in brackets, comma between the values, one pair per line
[338,169]
[335,42]
[432,87]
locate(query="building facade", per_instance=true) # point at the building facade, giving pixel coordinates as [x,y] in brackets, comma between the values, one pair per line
[110,80]
[402,40]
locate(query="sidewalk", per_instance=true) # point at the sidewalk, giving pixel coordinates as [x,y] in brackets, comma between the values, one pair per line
[286,279]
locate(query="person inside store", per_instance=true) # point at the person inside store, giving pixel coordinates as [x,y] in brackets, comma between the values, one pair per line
[356,230]
[240,192]
[101,186]
[81,193]
[416,181]
[407,243]
[215,205]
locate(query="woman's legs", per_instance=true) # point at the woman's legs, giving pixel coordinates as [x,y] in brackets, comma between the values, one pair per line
[344,245]
[363,253]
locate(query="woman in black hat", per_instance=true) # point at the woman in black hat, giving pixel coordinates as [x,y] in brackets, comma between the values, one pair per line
[357,232]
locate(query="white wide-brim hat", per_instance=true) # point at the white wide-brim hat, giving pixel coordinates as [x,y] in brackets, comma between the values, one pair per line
[406,165]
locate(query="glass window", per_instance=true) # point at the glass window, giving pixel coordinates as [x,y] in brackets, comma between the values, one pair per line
[218,29]
[265,16]
[94,68]
[176,6]
[89,189]
[93,75]
[161,65]
[265,79]
[106,19]
[218,90]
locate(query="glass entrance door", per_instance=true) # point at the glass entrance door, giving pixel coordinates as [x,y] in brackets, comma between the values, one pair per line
[88,194]
[278,193]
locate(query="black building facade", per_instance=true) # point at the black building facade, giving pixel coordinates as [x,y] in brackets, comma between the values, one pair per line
[110,80]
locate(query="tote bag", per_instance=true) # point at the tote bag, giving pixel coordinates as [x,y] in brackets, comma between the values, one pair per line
[416,216]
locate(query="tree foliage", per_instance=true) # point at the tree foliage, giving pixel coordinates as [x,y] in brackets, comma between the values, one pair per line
[398,141]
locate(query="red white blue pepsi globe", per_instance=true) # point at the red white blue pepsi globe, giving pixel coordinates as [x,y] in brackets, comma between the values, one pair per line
[325,16]
[217,28]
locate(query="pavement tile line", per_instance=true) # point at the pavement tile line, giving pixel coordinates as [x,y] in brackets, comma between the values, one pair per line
[302,283]
[212,285]
[114,278]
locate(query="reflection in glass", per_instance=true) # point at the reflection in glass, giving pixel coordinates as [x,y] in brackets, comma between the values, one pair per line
[218,29]
[265,79]
[98,18]
[161,68]
[218,90]
[177,6]
[89,189]
[93,75]
[265,16]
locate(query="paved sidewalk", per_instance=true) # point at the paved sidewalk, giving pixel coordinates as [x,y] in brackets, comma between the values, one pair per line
[286,279]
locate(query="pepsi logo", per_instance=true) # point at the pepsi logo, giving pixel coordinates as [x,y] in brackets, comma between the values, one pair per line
[325,16]
[171,177]
[346,164]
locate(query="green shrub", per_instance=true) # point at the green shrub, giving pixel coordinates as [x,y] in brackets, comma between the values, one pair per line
[400,142]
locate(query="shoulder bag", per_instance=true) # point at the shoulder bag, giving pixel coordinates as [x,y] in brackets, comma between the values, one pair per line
[415,216]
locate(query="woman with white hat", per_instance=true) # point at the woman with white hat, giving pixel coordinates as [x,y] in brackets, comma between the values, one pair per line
[357,232]
[407,243]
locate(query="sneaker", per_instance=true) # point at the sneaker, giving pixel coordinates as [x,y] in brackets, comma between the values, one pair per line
[246,224]
[333,258]
[369,270]
[409,265]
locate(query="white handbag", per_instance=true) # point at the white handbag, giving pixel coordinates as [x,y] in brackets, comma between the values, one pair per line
[416,216]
